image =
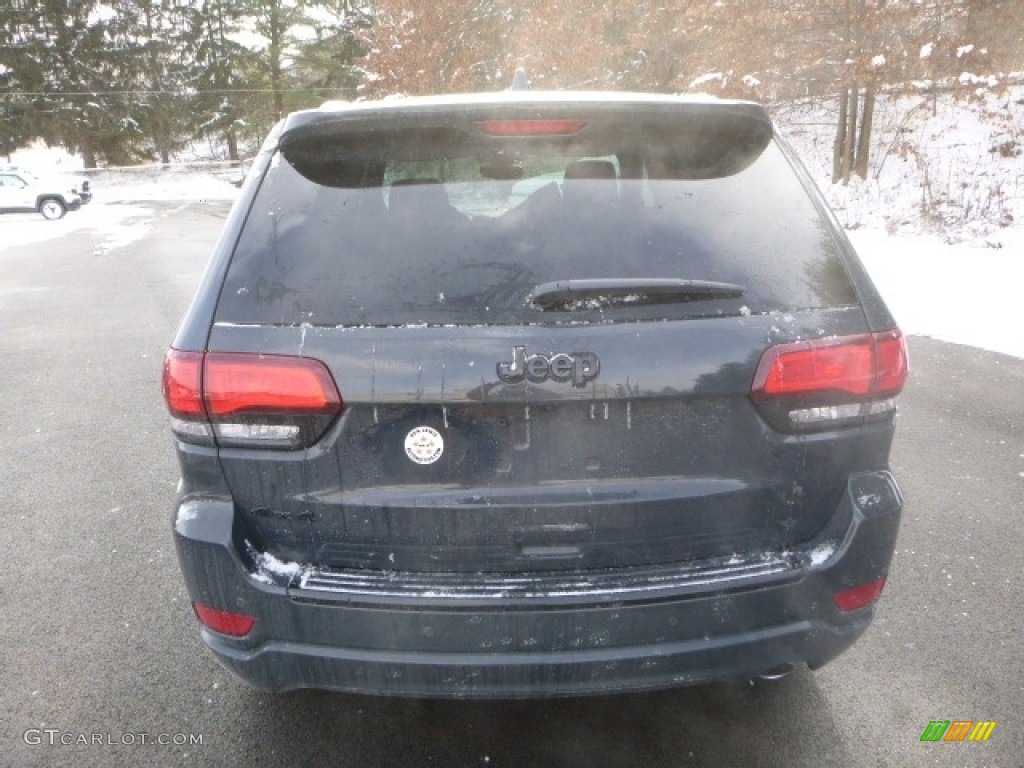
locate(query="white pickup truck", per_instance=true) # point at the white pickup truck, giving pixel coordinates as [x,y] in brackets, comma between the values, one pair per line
[22,191]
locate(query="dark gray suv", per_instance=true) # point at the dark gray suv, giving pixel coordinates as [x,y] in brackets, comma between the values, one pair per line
[532,394]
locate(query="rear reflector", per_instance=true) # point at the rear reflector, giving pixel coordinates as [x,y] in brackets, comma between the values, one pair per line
[233,624]
[859,597]
[249,400]
[531,127]
[829,382]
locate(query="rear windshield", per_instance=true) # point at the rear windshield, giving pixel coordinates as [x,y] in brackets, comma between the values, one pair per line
[447,226]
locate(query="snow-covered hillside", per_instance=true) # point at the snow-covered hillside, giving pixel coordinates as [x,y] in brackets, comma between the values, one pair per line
[945,163]
[940,220]
[939,223]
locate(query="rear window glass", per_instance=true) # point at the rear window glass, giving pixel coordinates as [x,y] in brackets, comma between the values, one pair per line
[448,227]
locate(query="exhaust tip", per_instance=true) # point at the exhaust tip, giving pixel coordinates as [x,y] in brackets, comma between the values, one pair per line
[776,673]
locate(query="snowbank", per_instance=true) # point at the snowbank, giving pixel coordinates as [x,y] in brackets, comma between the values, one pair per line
[183,181]
[185,185]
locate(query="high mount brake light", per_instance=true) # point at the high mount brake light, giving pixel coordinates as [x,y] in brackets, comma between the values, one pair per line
[249,400]
[831,382]
[532,127]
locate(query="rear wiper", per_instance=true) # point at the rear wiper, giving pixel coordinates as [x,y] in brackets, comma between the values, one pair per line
[598,293]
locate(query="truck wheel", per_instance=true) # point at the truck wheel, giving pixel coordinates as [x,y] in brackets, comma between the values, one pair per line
[52,208]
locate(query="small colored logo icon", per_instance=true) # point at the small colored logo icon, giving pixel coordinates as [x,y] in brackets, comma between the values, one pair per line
[958,730]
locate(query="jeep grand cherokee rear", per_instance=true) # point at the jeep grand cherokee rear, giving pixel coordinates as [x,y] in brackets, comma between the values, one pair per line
[532,394]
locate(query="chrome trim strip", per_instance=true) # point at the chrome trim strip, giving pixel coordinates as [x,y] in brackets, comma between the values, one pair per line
[463,590]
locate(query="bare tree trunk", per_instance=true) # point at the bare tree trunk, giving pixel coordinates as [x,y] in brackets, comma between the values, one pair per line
[860,166]
[850,141]
[232,142]
[88,154]
[838,150]
[276,52]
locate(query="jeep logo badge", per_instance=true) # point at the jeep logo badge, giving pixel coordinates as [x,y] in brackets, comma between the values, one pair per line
[579,367]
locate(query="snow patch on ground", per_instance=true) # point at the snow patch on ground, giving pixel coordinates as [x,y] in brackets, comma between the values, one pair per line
[117,212]
[165,184]
[116,225]
[964,293]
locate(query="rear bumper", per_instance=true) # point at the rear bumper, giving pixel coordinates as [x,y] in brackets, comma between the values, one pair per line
[546,636]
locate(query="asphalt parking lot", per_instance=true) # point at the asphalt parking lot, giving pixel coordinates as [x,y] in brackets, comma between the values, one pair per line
[102,664]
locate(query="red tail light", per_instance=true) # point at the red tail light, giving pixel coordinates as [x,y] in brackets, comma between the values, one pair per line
[892,362]
[271,401]
[832,365]
[859,597]
[830,382]
[225,622]
[237,384]
[183,376]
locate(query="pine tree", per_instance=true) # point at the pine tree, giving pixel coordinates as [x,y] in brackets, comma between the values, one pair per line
[218,72]
[18,74]
[167,50]
[73,68]
[330,62]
